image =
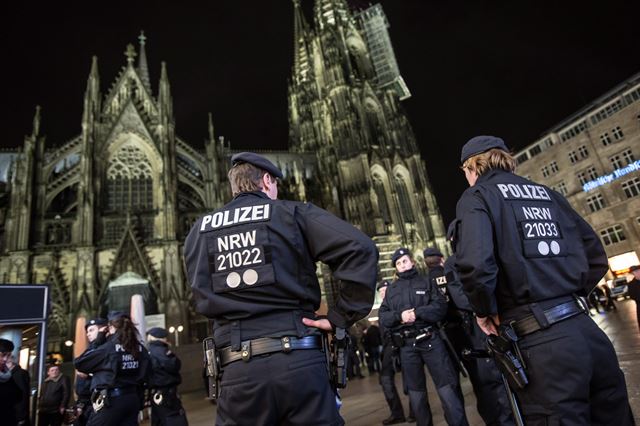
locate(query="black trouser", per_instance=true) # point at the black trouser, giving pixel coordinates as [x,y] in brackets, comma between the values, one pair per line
[574,377]
[170,411]
[87,410]
[432,353]
[279,388]
[491,397]
[49,419]
[118,411]
[387,375]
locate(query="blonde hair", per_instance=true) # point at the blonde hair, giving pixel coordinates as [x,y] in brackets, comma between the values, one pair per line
[245,177]
[492,159]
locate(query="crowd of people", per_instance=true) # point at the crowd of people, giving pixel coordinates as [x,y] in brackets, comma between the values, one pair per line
[523,265]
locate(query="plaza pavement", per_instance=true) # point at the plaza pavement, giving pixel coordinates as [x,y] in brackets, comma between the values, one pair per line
[364,403]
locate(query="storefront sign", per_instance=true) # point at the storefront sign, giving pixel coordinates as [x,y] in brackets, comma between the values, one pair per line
[602,180]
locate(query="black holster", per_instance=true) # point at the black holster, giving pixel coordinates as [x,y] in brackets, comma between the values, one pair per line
[505,351]
[212,368]
[336,355]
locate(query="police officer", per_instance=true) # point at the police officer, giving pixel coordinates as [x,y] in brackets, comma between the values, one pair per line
[465,334]
[411,309]
[388,370]
[120,367]
[251,265]
[166,407]
[96,335]
[524,255]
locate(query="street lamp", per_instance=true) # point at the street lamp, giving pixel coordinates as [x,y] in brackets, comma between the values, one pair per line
[175,331]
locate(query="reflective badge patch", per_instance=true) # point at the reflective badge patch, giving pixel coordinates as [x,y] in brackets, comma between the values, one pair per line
[421,292]
[441,280]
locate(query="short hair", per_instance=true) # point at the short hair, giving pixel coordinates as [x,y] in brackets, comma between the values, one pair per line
[6,346]
[493,159]
[433,261]
[245,177]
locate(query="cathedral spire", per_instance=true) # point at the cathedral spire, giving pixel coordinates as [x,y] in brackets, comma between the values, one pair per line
[164,92]
[143,68]
[36,123]
[211,132]
[330,13]
[92,94]
[301,62]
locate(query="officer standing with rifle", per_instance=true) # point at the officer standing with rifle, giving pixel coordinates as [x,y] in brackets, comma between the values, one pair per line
[412,308]
[525,257]
[251,265]
[467,338]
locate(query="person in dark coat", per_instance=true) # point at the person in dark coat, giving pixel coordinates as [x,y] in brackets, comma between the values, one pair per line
[54,397]
[166,407]
[525,259]
[10,393]
[21,377]
[634,288]
[372,342]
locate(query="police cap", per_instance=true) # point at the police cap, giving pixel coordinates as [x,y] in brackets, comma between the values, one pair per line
[258,161]
[399,253]
[480,144]
[158,332]
[384,283]
[100,322]
[634,268]
[432,251]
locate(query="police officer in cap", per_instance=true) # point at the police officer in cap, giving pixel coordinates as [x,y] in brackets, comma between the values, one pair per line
[411,309]
[388,370]
[251,265]
[166,407]
[524,257]
[96,335]
[465,335]
[120,368]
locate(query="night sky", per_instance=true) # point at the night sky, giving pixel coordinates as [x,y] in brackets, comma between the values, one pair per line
[508,68]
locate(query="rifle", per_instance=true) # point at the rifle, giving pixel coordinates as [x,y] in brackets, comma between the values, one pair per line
[452,351]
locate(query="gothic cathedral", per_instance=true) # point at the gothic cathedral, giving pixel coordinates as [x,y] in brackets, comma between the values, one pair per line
[104,215]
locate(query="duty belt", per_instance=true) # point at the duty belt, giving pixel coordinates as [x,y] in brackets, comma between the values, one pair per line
[267,345]
[561,312]
[414,332]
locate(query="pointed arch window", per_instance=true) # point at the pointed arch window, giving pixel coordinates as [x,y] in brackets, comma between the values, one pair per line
[129,181]
[383,205]
[403,199]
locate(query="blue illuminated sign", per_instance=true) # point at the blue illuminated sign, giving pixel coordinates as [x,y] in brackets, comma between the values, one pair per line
[602,180]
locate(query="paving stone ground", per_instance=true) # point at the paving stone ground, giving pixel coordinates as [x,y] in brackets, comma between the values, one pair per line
[364,403]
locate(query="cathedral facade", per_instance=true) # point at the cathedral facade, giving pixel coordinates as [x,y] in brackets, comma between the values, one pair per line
[105,214]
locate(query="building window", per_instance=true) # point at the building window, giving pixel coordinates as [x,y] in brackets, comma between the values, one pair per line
[573,158]
[554,167]
[583,151]
[605,139]
[631,187]
[628,157]
[561,188]
[612,235]
[595,203]
[582,178]
[616,161]
[617,133]
[545,171]
[591,173]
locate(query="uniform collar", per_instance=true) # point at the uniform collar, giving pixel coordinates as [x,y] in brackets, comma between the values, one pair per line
[489,175]
[254,193]
[408,274]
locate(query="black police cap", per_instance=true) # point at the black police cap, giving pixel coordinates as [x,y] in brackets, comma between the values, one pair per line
[480,144]
[258,161]
[158,332]
[432,251]
[384,283]
[399,253]
[100,322]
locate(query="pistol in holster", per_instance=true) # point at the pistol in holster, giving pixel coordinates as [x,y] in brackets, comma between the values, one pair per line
[336,353]
[504,349]
[212,368]
[99,399]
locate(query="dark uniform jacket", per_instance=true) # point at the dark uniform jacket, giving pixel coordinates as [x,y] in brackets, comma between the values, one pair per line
[254,259]
[412,290]
[634,290]
[165,366]
[520,242]
[83,385]
[112,366]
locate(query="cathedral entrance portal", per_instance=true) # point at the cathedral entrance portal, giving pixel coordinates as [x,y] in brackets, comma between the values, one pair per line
[120,290]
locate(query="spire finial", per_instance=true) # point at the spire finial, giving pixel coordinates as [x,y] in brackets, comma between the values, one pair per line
[211,132]
[36,122]
[143,68]
[130,53]
[142,38]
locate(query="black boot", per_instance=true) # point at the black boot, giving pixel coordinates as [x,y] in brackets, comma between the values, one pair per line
[393,420]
